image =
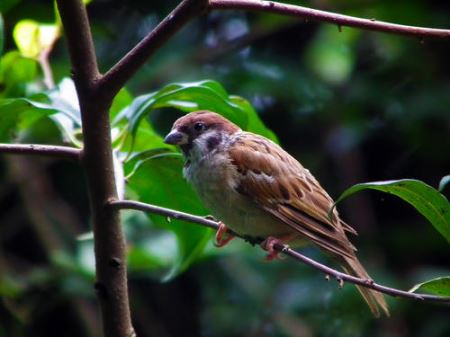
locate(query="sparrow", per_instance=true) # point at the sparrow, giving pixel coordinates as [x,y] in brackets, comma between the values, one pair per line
[260,191]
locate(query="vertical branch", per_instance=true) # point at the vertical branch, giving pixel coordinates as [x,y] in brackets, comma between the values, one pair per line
[95,94]
[79,40]
[111,282]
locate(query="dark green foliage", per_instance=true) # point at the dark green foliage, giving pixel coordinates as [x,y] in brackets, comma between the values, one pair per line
[352,106]
[439,286]
[424,198]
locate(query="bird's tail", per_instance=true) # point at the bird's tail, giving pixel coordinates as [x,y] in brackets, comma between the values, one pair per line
[374,299]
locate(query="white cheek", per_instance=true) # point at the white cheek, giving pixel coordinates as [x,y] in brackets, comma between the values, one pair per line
[202,139]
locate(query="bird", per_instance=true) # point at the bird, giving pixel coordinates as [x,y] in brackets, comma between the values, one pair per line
[258,190]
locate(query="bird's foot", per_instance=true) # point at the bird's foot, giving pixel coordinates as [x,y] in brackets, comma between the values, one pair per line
[223,236]
[340,282]
[269,245]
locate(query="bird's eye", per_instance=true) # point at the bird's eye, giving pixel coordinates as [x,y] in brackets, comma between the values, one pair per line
[199,126]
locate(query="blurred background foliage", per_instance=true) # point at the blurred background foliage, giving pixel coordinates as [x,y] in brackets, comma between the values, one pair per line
[352,106]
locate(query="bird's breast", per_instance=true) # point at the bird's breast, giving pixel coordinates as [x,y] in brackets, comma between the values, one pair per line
[211,176]
[214,180]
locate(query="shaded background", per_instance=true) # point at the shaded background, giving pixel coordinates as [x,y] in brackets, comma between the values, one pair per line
[352,106]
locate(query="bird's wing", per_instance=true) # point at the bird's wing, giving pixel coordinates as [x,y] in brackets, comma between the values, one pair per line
[280,185]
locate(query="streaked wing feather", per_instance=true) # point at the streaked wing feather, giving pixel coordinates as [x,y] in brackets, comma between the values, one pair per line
[307,227]
[278,183]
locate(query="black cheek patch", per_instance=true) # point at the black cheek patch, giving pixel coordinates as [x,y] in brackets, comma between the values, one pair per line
[187,131]
[213,141]
[186,148]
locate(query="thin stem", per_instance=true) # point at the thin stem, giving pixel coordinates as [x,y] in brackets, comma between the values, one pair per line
[356,280]
[323,16]
[140,206]
[124,69]
[63,152]
[339,276]
[46,68]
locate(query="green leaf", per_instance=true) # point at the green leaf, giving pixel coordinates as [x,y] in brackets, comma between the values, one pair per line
[158,180]
[438,286]
[10,287]
[187,97]
[2,34]
[59,104]
[68,119]
[16,72]
[120,102]
[444,182]
[153,250]
[20,113]
[254,123]
[140,259]
[64,98]
[5,5]
[133,164]
[425,199]
[32,37]
[145,138]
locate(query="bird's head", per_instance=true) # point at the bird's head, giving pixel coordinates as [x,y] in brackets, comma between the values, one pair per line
[203,131]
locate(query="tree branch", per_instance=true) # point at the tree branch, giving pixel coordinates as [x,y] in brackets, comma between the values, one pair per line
[79,40]
[123,70]
[339,276]
[171,213]
[63,152]
[97,161]
[323,16]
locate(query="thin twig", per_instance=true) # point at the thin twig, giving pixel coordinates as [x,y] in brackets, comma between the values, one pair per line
[323,16]
[62,152]
[140,206]
[125,68]
[46,67]
[339,276]
[356,280]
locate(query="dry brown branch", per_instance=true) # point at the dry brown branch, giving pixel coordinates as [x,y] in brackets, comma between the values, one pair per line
[328,17]
[63,152]
[330,272]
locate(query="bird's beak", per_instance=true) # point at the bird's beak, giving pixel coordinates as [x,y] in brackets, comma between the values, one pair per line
[176,137]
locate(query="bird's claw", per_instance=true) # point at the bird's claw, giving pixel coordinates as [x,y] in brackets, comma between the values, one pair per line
[268,245]
[223,235]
